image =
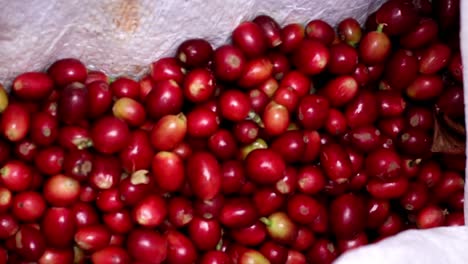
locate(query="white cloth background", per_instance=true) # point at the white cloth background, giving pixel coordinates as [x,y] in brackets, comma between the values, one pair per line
[124,36]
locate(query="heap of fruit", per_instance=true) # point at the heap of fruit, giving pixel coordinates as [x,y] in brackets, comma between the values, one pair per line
[291,144]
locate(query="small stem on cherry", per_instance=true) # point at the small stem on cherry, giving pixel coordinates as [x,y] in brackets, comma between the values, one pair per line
[219,246]
[380,28]
[83,143]
[256,118]
[265,220]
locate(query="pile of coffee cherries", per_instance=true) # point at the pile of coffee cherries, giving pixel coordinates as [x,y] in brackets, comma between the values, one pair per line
[289,144]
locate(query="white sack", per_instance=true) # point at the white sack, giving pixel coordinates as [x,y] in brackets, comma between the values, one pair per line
[443,245]
[124,36]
